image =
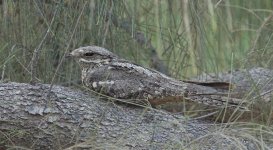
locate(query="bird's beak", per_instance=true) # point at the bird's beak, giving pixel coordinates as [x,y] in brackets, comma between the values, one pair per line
[69,55]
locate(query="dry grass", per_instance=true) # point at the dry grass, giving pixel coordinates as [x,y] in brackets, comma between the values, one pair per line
[190,37]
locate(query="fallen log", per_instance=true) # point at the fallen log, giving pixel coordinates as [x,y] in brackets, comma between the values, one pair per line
[32,118]
[65,118]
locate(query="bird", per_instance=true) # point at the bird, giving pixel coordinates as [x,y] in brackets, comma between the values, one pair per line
[107,73]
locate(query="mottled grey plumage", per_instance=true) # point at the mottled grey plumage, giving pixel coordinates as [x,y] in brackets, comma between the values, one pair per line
[105,72]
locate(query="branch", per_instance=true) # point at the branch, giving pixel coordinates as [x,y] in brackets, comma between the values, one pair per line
[73,119]
[37,51]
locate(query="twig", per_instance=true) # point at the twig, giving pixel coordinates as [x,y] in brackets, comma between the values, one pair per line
[205,116]
[37,51]
[59,65]
[107,24]
[4,65]
[216,5]
[260,30]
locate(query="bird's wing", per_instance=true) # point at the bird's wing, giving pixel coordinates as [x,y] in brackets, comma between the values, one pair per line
[131,80]
[210,96]
[214,84]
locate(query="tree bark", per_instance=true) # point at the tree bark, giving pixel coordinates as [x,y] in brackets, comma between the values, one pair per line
[254,86]
[73,119]
[32,118]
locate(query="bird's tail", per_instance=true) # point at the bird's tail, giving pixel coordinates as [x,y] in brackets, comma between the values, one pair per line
[219,100]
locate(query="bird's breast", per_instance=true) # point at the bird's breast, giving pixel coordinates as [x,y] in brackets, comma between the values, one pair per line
[84,74]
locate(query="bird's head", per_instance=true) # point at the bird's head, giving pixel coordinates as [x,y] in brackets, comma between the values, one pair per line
[92,55]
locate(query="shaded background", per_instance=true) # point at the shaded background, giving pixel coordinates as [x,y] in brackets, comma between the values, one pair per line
[182,38]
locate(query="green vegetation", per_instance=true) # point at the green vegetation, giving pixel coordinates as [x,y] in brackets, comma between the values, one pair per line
[190,36]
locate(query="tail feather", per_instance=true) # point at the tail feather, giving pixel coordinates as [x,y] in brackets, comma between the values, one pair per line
[207,99]
[219,100]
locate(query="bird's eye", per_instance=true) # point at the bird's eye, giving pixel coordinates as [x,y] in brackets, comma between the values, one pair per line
[88,54]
